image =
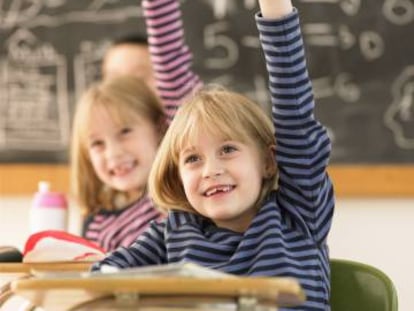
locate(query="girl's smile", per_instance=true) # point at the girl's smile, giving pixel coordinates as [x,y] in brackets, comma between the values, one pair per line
[124,169]
[220,189]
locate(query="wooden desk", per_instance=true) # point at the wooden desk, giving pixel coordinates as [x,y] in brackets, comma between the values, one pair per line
[158,293]
[75,266]
[13,271]
[16,271]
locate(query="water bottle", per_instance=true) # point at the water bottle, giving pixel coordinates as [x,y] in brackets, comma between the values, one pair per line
[49,210]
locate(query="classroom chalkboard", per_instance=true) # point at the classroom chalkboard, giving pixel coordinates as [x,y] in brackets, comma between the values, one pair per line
[360,56]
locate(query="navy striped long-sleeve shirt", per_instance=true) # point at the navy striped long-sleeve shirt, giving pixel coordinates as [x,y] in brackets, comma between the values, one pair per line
[288,235]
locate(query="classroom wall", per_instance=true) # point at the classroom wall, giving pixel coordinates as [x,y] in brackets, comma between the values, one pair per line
[378,232]
[374,231]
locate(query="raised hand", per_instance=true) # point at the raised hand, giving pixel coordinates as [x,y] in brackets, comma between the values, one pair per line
[274,9]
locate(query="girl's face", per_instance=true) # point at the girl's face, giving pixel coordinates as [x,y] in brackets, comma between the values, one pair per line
[222,179]
[122,154]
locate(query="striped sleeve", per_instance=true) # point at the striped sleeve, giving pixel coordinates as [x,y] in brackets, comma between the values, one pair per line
[303,146]
[170,56]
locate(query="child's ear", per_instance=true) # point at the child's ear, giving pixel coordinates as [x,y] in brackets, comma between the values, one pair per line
[270,167]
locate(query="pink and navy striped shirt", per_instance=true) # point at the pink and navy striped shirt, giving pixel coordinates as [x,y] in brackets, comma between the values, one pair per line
[171,60]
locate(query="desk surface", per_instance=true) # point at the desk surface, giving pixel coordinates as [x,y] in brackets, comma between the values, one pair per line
[57,294]
[13,271]
[44,266]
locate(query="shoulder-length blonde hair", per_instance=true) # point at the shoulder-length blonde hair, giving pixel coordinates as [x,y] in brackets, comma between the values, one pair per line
[124,97]
[216,111]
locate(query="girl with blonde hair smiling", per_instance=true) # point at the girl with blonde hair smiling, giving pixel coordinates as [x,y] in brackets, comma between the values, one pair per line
[118,126]
[216,169]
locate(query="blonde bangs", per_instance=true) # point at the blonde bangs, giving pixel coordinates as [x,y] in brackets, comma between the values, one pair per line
[119,110]
[206,113]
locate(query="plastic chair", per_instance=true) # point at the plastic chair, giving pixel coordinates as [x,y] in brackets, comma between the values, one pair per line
[357,286]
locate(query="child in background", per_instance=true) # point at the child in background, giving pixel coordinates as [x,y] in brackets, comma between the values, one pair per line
[217,167]
[129,55]
[117,128]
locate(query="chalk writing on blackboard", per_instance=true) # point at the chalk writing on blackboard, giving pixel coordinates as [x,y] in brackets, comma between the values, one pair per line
[400,115]
[41,75]
[359,55]
[34,102]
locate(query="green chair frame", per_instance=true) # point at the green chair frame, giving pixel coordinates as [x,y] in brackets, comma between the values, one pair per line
[357,286]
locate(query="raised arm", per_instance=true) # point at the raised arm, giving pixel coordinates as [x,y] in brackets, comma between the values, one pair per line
[170,56]
[303,146]
[275,9]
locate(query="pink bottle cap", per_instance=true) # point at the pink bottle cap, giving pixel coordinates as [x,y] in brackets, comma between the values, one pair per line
[50,199]
[46,198]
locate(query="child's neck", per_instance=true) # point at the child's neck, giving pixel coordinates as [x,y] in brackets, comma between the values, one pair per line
[123,199]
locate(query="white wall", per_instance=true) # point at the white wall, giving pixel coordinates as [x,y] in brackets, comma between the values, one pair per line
[375,231]
[378,232]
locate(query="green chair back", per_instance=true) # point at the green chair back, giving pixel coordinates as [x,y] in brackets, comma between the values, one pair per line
[357,286]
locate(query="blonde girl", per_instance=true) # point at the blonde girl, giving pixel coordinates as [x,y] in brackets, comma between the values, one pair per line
[215,173]
[117,127]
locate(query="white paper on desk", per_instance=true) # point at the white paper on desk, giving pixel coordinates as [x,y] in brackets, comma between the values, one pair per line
[186,269]
[168,270]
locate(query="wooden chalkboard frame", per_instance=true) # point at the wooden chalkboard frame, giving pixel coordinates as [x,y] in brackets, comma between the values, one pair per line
[349,180]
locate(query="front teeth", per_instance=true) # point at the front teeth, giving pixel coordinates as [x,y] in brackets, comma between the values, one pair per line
[218,189]
[122,169]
